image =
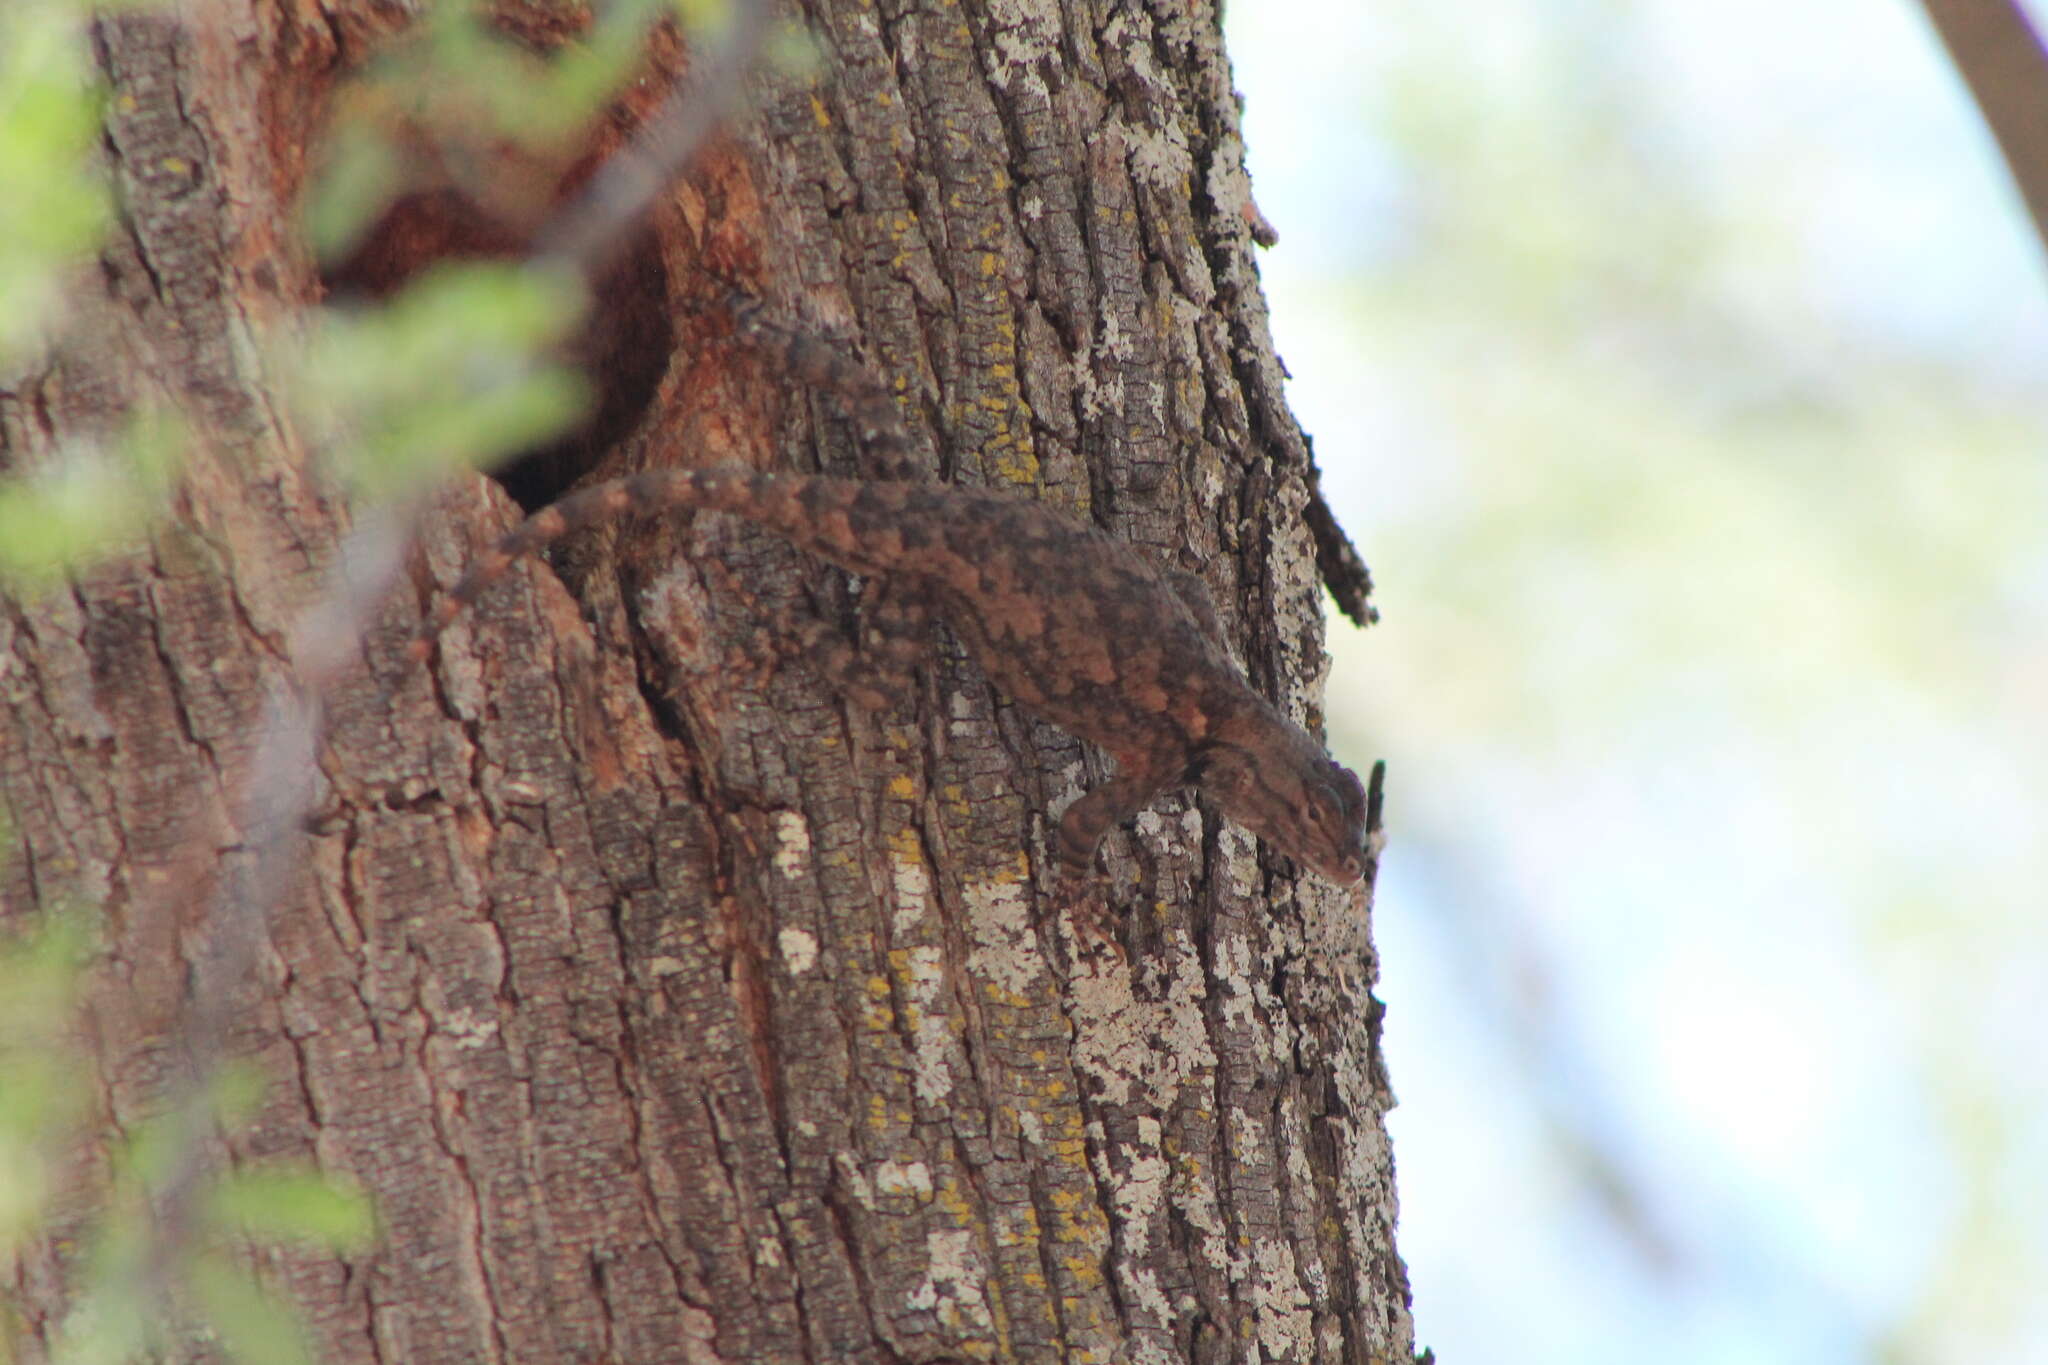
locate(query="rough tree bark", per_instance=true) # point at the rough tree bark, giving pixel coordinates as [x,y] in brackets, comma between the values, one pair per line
[670,1007]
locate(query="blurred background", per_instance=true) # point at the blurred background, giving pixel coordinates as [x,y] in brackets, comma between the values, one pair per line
[1678,368]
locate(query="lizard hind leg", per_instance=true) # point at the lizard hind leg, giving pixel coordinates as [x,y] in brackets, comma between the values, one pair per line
[1086,822]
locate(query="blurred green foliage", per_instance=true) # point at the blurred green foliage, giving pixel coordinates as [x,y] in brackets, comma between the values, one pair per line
[454,369]
[50,100]
[462,83]
[90,502]
[133,1268]
[450,371]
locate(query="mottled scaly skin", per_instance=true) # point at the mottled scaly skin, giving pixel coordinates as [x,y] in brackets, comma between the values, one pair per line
[1073,624]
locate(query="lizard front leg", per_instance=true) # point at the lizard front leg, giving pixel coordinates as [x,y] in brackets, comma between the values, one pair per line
[1082,828]
[1080,833]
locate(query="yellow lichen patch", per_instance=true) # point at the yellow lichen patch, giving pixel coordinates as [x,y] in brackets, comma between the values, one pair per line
[1026,1225]
[818,112]
[1021,469]
[950,1197]
[1085,1273]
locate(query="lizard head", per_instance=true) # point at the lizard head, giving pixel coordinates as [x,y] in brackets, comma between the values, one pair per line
[1304,803]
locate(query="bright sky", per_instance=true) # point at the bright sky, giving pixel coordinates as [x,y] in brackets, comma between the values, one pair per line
[1710,541]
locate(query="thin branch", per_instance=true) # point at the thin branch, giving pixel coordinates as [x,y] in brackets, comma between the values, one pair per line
[279,787]
[278,792]
[2003,62]
[582,235]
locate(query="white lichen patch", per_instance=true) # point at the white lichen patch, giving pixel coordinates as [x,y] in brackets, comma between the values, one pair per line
[1004,949]
[846,1166]
[931,1041]
[962,714]
[799,950]
[1238,851]
[954,1287]
[468,1029]
[1141,1287]
[1235,980]
[1025,36]
[1109,1042]
[1194,1195]
[1101,383]
[1072,780]
[1179,836]
[1139,1191]
[1159,157]
[912,882]
[1249,1141]
[1148,1351]
[1150,1047]
[1336,921]
[792,844]
[1281,1305]
[904,1177]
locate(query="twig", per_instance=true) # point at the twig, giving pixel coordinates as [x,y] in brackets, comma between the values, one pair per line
[2002,61]
[279,787]
[582,235]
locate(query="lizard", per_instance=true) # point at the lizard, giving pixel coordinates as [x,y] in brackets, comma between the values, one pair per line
[1073,624]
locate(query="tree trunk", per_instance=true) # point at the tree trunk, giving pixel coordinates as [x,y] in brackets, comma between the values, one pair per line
[669,1006]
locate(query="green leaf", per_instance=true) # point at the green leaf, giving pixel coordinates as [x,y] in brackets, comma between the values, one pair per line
[236,1091]
[447,372]
[49,124]
[296,1204]
[358,179]
[110,1326]
[89,501]
[253,1325]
